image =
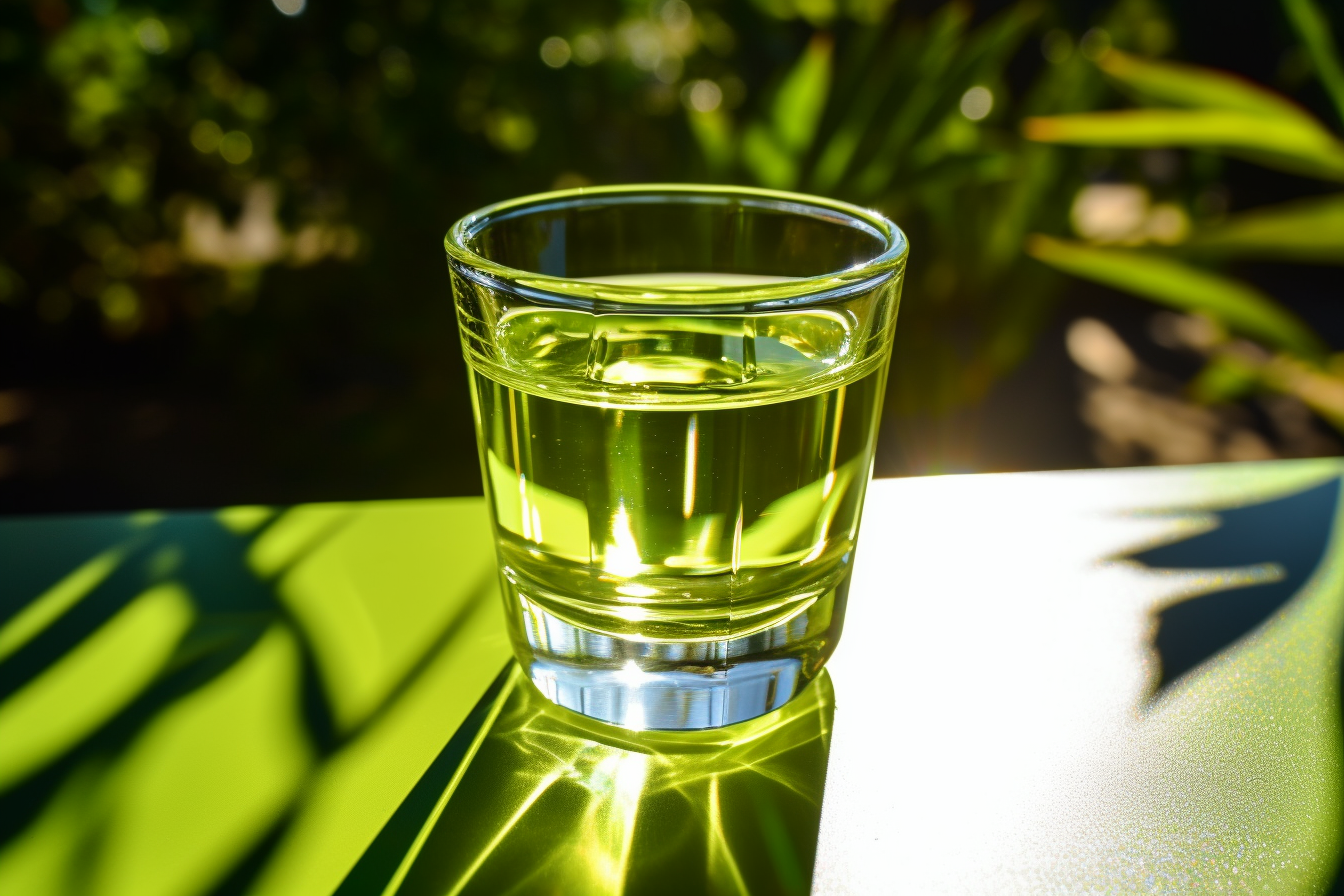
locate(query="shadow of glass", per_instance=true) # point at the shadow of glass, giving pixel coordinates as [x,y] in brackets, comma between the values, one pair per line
[554,802]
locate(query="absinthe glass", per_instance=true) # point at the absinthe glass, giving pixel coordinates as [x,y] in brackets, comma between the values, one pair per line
[675,441]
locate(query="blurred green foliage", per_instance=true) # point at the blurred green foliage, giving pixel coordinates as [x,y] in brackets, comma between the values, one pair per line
[254,195]
[1259,343]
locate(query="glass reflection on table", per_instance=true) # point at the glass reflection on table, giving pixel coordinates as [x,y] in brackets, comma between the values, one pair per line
[554,802]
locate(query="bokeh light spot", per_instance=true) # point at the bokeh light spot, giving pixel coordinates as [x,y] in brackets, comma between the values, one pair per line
[702,95]
[205,136]
[290,7]
[511,131]
[1095,43]
[976,103]
[676,14]
[1109,212]
[1096,348]
[555,52]
[121,307]
[589,48]
[398,73]
[126,185]
[153,36]
[236,147]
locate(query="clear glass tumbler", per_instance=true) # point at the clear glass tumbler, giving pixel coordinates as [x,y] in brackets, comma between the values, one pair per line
[677,391]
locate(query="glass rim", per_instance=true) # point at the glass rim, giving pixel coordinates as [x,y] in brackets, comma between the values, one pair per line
[569,292]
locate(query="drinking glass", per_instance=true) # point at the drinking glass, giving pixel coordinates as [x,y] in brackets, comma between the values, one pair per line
[676,391]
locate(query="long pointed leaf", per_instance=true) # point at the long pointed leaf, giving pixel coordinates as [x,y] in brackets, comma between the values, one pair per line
[1305,230]
[802,96]
[1196,87]
[1071,87]
[714,132]
[772,149]
[1299,146]
[768,163]
[1314,29]
[1177,285]
[936,92]
[937,55]
[878,71]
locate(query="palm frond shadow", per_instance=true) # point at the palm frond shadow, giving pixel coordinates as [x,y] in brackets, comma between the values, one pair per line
[234,605]
[1282,541]
[1280,545]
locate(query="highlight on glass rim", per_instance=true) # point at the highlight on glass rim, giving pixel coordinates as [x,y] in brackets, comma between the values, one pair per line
[667,527]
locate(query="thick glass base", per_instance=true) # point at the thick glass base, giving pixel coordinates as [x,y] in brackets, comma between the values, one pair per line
[671,700]
[674,685]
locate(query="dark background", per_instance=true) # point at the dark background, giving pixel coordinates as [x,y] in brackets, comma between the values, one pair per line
[336,374]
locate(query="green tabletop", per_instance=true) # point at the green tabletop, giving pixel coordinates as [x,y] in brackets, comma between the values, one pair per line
[1070,682]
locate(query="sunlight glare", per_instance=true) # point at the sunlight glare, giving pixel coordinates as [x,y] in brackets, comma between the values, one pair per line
[621,556]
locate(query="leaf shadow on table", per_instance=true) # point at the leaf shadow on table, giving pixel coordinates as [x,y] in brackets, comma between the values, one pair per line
[1253,562]
[169,703]
[182,639]
[1279,543]
[548,801]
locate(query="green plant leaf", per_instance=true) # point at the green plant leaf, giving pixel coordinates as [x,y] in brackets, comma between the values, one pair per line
[1226,378]
[1301,146]
[873,68]
[772,151]
[714,132]
[920,95]
[1305,230]
[769,164]
[1196,87]
[947,65]
[1178,285]
[1314,29]
[802,96]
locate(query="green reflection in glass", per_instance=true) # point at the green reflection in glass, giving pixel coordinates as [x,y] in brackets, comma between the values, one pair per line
[556,802]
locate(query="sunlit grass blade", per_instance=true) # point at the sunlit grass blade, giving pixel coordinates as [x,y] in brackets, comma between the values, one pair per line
[918,103]
[1178,285]
[1227,377]
[767,161]
[1306,230]
[1320,391]
[1314,29]
[980,61]
[1070,87]
[1300,146]
[871,76]
[772,151]
[714,132]
[802,97]
[1196,87]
